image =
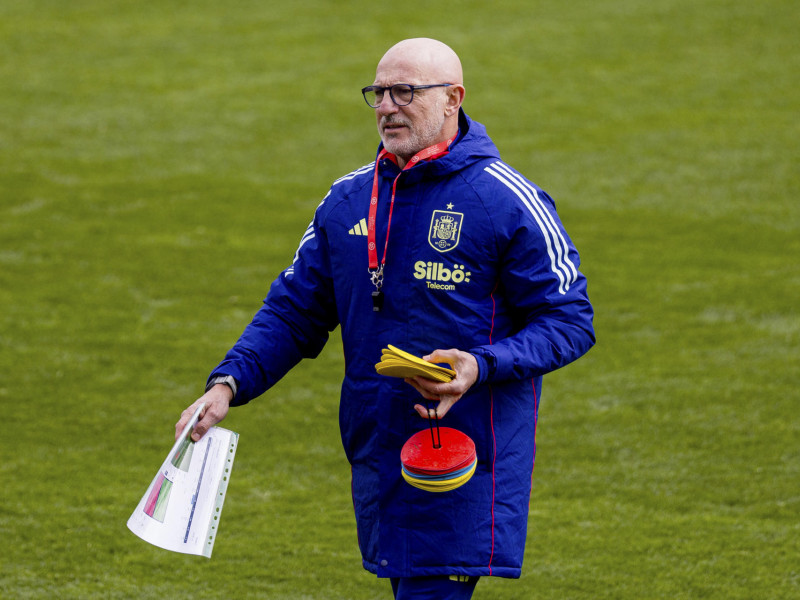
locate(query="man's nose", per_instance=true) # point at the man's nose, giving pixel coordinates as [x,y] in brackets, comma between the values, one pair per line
[387,105]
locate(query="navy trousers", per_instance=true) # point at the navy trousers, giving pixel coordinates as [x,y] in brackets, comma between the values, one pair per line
[434,588]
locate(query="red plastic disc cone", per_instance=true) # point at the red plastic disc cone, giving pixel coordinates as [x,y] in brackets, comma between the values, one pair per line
[456,452]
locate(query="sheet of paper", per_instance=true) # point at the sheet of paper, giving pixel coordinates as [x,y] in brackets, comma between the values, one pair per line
[182,507]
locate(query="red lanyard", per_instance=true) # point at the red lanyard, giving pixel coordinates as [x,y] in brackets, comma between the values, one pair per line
[376,270]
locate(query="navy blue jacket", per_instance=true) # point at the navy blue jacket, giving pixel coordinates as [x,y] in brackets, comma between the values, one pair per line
[477,260]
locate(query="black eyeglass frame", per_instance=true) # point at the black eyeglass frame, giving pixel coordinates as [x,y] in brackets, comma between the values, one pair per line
[414,88]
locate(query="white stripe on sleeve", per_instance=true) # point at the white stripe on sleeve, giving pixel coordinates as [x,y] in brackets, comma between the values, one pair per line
[557,248]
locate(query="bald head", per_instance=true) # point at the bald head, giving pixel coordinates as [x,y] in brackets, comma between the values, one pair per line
[429,61]
[431,116]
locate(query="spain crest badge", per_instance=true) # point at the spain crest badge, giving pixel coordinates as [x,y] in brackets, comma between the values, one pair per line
[445,230]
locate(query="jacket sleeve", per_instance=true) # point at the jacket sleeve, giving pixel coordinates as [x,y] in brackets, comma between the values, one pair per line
[546,293]
[293,323]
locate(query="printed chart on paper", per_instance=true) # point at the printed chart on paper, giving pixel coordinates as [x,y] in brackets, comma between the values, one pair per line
[182,507]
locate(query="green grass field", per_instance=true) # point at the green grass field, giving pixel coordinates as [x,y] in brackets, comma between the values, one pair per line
[159,162]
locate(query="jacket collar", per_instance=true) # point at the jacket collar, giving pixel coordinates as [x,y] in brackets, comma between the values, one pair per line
[471,145]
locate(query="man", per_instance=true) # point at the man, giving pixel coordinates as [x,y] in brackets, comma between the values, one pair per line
[443,250]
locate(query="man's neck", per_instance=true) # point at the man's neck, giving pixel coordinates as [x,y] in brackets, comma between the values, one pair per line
[430,153]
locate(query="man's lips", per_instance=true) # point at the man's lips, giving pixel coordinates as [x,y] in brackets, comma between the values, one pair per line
[393,127]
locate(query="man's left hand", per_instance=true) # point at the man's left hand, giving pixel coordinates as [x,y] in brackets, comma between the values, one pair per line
[446,394]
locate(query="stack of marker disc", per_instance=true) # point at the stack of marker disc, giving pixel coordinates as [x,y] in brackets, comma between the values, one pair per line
[396,363]
[430,464]
[438,467]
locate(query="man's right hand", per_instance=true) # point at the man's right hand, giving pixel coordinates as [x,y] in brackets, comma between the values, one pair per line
[218,400]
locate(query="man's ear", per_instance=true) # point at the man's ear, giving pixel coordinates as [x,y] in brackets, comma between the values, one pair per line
[455,98]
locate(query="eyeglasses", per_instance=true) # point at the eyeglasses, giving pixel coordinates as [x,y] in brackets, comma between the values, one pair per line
[401,93]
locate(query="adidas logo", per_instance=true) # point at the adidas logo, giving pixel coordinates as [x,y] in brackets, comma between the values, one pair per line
[360,228]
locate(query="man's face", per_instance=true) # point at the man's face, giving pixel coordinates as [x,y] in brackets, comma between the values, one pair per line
[405,130]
